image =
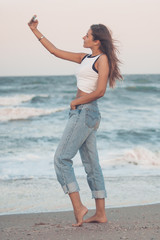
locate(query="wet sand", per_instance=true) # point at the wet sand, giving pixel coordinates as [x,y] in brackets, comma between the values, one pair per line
[133,223]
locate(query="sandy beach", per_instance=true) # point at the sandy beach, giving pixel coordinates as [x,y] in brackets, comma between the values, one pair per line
[133,223]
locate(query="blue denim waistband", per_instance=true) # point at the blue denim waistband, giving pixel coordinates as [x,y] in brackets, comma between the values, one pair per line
[86,105]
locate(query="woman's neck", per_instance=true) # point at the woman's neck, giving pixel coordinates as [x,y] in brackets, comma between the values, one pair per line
[96,52]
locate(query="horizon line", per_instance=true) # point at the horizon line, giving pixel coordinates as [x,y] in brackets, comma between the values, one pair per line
[45,75]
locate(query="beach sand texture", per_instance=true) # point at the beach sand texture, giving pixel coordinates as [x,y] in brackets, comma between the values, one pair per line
[133,223]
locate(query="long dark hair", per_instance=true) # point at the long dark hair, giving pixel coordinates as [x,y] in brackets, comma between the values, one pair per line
[103,34]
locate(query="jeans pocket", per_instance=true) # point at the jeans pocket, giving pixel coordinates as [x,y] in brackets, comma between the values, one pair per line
[74,112]
[92,118]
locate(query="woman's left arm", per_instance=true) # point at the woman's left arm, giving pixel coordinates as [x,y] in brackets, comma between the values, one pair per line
[103,72]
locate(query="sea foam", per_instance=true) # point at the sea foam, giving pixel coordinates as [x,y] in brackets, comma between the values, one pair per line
[137,156]
[20,113]
[18,99]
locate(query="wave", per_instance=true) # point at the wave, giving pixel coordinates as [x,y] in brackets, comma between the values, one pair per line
[39,98]
[19,113]
[137,156]
[137,160]
[18,99]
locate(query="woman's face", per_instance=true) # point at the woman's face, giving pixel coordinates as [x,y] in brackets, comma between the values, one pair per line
[88,40]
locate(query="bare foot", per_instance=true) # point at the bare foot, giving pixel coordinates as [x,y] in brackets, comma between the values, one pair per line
[96,218]
[79,216]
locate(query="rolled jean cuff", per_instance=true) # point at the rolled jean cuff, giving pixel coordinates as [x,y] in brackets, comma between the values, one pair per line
[99,194]
[71,187]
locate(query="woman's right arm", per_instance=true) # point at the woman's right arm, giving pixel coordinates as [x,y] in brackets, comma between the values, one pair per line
[70,56]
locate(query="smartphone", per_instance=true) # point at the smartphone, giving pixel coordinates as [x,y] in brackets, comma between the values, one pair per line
[34,19]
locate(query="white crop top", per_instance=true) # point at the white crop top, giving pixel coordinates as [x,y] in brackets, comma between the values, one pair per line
[87,75]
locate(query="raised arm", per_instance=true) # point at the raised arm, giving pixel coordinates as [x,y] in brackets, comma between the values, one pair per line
[70,56]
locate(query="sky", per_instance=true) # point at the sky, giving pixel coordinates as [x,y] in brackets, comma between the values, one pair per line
[134,23]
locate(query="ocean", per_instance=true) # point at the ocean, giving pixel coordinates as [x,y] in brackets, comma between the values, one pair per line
[33,114]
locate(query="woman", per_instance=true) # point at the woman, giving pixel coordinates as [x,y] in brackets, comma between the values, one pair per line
[95,71]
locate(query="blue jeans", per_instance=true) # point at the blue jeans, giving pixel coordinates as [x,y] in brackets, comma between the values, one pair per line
[80,134]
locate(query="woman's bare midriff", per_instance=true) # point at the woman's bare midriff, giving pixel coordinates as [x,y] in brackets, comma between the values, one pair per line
[80,93]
